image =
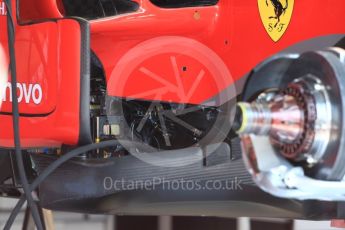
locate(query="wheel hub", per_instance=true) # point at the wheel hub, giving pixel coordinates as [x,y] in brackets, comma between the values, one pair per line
[290,118]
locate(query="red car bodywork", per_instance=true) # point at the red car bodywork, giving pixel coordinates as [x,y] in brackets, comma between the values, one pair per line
[214,45]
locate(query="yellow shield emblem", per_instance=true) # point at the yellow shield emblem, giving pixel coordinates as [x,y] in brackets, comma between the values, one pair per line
[276,16]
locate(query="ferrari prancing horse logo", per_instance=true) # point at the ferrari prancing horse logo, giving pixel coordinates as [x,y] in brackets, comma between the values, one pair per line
[276,16]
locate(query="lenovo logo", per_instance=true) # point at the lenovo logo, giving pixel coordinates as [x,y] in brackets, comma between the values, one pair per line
[3,10]
[27,93]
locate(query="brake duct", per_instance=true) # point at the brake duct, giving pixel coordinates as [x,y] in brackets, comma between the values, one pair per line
[292,134]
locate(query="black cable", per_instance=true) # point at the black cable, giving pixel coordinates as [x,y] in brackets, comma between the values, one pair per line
[51,168]
[10,15]
[15,110]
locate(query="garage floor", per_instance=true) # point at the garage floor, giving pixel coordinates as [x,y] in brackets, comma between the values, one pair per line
[71,221]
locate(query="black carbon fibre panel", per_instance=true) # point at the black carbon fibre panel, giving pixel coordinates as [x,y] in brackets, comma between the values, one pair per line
[130,169]
[183,3]
[78,186]
[92,9]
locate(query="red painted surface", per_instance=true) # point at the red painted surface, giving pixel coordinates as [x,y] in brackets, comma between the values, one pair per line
[153,54]
[38,10]
[338,224]
[47,54]
[232,29]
